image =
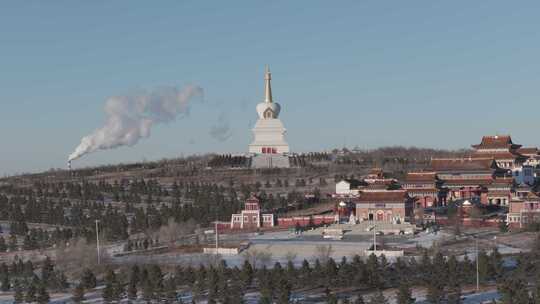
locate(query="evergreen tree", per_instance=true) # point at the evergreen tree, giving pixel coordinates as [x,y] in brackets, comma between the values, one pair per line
[378,298]
[47,271]
[283,291]
[513,291]
[28,269]
[331,299]
[212,281]
[170,290]
[454,294]
[372,270]
[6,286]
[3,245]
[435,293]
[359,300]
[61,281]
[198,286]
[155,277]
[246,275]
[236,292]
[148,291]
[425,267]
[78,293]
[305,271]
[31,291]
[330,272]
[135,275]
[404,295]
[291,273]
[42,295]
[19,295]
[12,244]
[466,270]
[483,266]
[266,287]
[536,292]
[110,293]
[453,282]
[88,279]
[118,290]
[132,291]
[496,263]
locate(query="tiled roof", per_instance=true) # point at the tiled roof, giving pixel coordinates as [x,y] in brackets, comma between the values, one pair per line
[496,142]
[354,183]
[380,186]
[531,196]
[253,199]
[497,155]
[464,181]
[503,181]
[383,196]
[498,193]
[528,151]
[382,181]
[421,177]
[376,170]
[463,164]
[412,190]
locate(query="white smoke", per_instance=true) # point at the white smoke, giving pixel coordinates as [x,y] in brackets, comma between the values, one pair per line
[130,118]
[221,130]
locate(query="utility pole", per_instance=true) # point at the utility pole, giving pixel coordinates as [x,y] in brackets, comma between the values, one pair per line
[217,236]
[217,233]
[97,241]
[374,238]
[477,268]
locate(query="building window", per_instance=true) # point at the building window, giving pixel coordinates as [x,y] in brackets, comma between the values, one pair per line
[268,114]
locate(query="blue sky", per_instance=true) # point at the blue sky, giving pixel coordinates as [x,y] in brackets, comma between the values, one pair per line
[368,73]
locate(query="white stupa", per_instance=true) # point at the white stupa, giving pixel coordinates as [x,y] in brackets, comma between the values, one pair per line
[269,145]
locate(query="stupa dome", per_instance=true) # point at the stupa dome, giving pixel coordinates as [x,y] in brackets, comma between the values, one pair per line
[264,107]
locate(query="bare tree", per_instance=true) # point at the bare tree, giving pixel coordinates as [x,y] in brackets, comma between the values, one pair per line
[78,256]
[291,256]
[323,252]
[173,231]
[257,258]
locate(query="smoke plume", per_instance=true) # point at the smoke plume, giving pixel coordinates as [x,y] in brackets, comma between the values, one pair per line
[221,130]
[131,117]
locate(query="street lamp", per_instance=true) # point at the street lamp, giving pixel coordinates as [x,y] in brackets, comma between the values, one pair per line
[97,241]
[374,237]
[477,267]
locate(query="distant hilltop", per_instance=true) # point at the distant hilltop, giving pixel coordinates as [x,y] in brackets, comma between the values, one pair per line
[384,157]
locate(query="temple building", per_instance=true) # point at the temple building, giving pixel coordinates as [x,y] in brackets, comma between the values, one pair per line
[508,155]
[499,191]
[532,154]
[501,149]
[467,178]
[349,187]
[376,179]
[425,188]
[393,206]
[251,217]
[523,210]
[269,148]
